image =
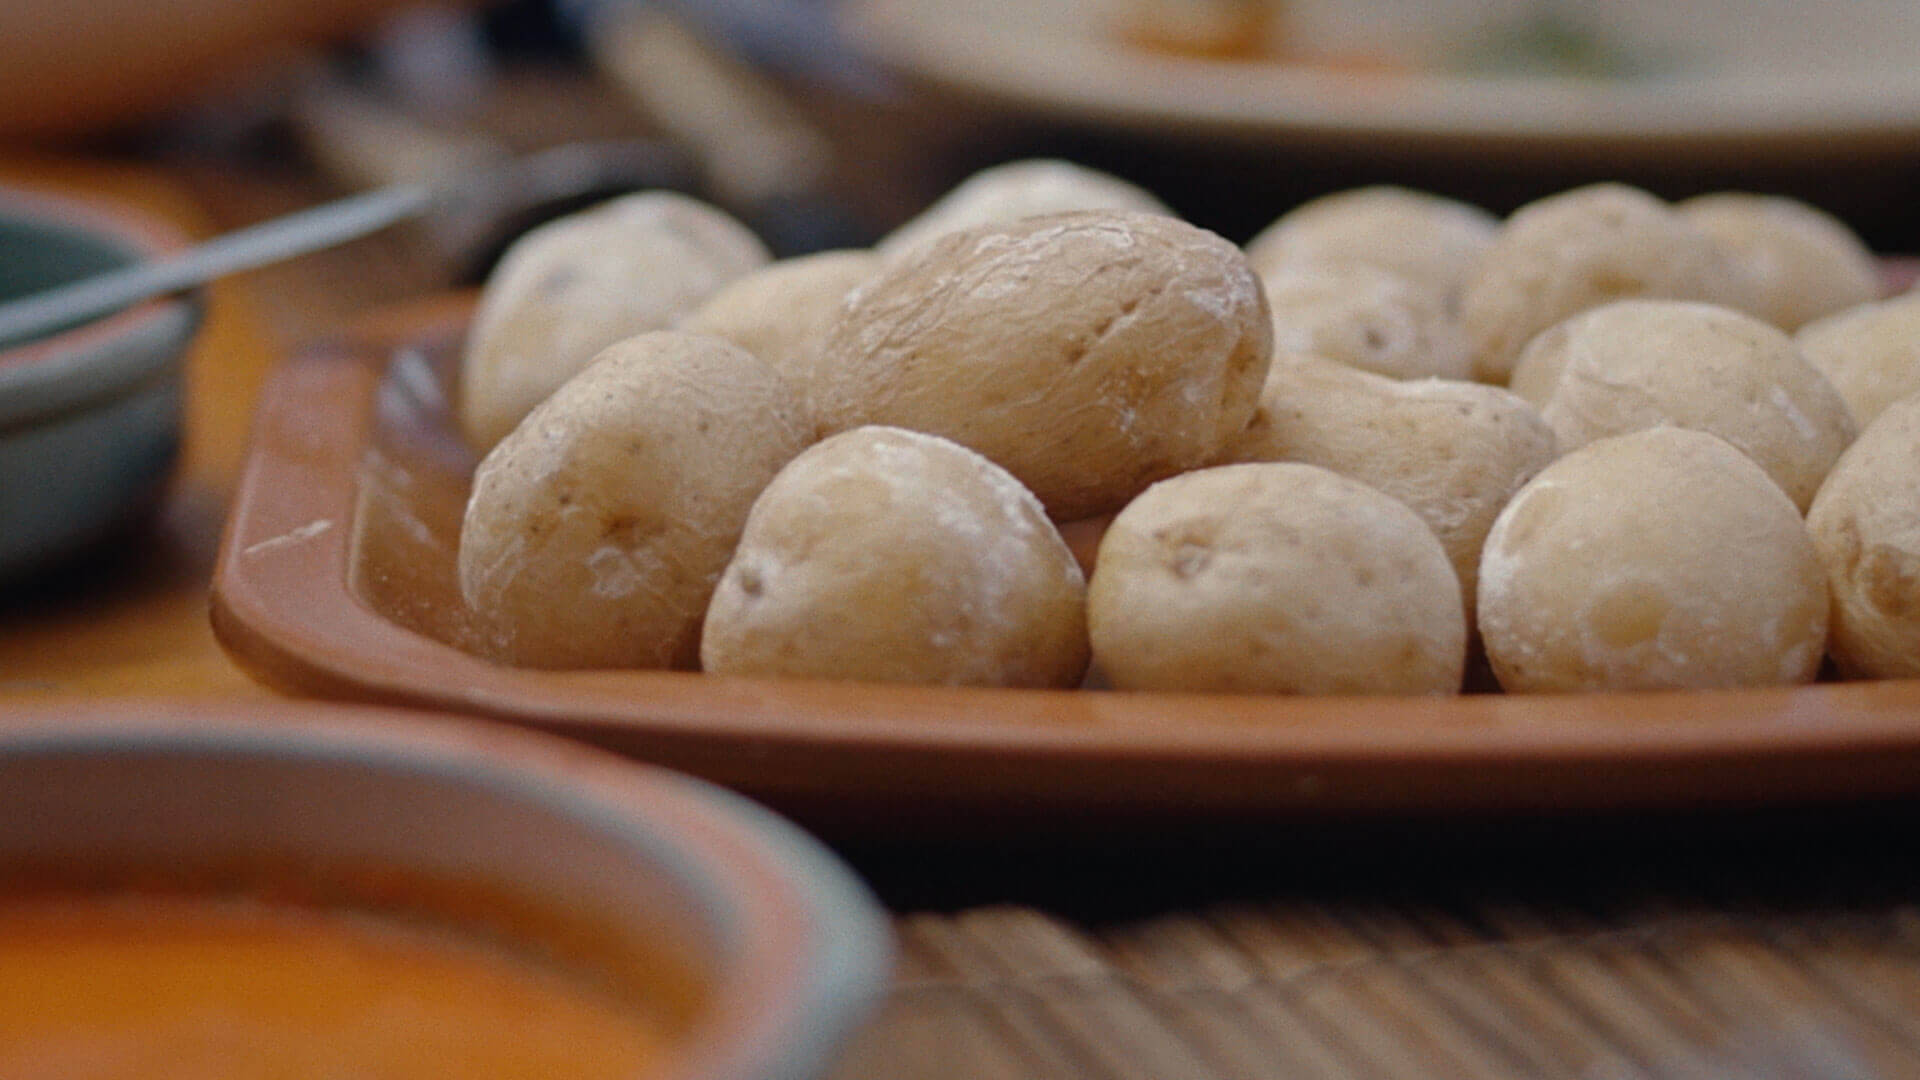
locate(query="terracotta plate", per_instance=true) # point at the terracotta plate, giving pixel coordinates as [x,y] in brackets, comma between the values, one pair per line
[336,579]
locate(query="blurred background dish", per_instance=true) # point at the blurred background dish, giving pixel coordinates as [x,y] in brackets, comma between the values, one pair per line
[90,415]
[1633,76]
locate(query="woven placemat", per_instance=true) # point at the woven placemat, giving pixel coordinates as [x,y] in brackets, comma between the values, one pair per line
[1757,947]
[1305,991]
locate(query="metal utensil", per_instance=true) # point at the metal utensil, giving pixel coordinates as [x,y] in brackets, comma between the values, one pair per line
[511,193]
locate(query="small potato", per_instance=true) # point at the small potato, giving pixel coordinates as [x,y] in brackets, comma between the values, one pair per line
[1866,525]
[781,312]
[1088,354]
[574,286]
[1870,353]
[1367,317]
[1006,193]
[1429,239]
[1274,578]
[1563,254]
[1638,364]
[1803,262]
[596,529]
[1664,559]
[1454,452]
[891,556]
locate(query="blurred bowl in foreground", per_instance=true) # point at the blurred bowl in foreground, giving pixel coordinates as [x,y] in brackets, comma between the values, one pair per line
[748,950]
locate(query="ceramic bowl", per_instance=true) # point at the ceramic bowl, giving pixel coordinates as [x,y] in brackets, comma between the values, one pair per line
[784,949]
[89,416]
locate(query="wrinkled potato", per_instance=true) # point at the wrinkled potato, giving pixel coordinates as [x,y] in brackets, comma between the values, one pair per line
[1005,193]
[781,312]
[1088,354]
[887,555]
[1803,262]
[1664,559]
[1645,363]
[1274,578]
[1558,256]
[1866,525]
[596,529]
[1454,452]
[1870,353]
[1426,238]
[574,286]
[1366,317]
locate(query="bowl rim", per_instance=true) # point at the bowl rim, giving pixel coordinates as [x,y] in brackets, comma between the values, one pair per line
[814,948]
[165,317]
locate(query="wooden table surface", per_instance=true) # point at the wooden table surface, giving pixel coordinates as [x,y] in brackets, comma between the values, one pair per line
[1782,942]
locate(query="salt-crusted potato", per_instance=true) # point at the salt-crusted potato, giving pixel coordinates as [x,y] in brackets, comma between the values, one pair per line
[1089,354]
[1866,526]
[887,555]
[1006,193]
[1638,364]
[1870,353]
[596,529]
[782,311]
[1426,238]
[1563,254]
[1454,452]
[1664,559]
[571,287]
[1365,316]
[1802,261]
[1274,578]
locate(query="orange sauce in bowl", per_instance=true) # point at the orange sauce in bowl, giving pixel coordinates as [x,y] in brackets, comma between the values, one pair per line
[145,985]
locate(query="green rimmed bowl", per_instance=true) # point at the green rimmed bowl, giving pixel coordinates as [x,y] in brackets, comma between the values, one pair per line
[89,415]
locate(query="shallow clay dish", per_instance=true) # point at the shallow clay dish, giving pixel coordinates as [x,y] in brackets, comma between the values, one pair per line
[336,579]
[754,949]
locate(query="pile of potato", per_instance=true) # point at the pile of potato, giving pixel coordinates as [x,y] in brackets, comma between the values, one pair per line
[1615,442]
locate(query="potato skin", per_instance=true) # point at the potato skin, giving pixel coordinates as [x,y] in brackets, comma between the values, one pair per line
[576,285]
[1560,255]
[1453,452]
[1663,559]
[1637,364]
[1870,353]
[1366,317]
[1008,192]
[887,555]
[1426,238]
[782,311]
[1803,262]
[1866,526]
[596,529]
[1274,578]
[1089,354]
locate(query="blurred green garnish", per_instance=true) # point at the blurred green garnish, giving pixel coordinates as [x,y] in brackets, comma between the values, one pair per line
[1551,41]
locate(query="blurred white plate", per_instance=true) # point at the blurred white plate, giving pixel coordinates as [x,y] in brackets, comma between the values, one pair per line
[1776,76]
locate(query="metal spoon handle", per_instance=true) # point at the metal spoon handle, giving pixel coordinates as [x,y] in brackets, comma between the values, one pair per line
[258,245]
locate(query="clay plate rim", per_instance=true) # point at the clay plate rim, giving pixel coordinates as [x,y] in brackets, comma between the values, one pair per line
[283,609]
